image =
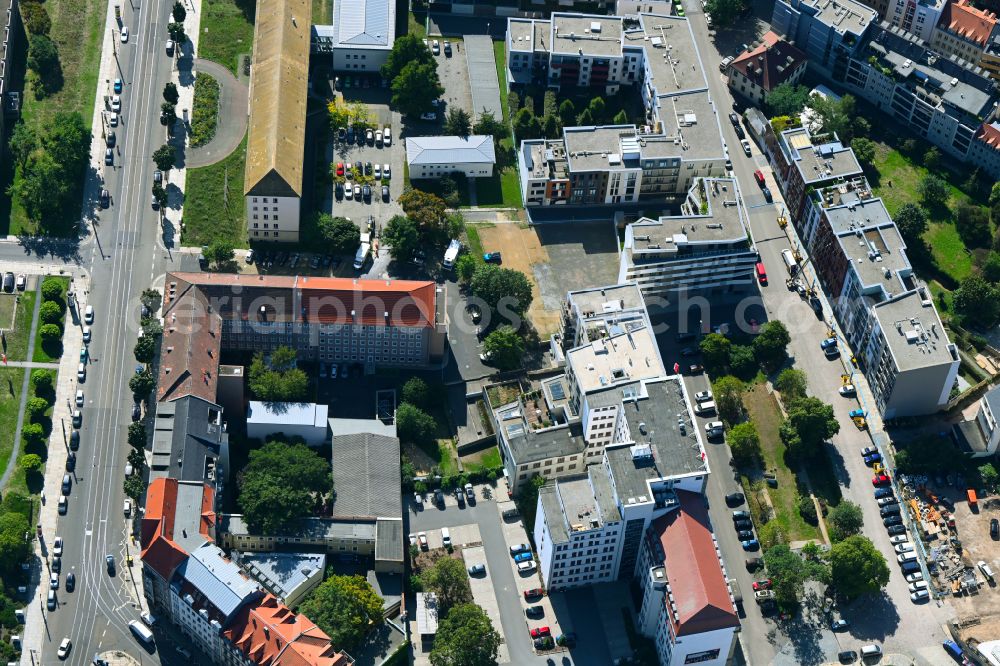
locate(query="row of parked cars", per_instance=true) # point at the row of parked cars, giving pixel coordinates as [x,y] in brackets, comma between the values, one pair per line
[379,137]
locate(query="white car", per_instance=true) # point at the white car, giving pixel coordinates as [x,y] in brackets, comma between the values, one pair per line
[435,47]
[57,547]
[54,581]
[349,190]
[79,398]
[703,396]
[714,428]
[898,539]
[86,334]
[422,537]
[64,648]
[746,147]
[63,505]
[113,120]
[378,172]
[904,547]
[918,585]
[387,136]
[386,174]
[914,577]
[413,539]
[847,390]
[116,103]
[88,315]
[920,595]
[125,34]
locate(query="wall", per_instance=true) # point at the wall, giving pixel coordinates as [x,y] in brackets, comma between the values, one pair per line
[470,170]
[359,60]
[262,213]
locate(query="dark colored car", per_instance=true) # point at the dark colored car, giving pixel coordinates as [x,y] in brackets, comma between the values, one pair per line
[493,258]
[56,564]
[109,157]
[109,560]
[744,535]
[743,525]
[111,140]
[385,193]
[735,499]
[889,521]
[534,611]
[105,198]
[768,197]
[136,412]
[994,529]
[734,119]
[883,492]
[368,168]
[70,581]
[889,510]
[847,656]
[367,192]
[74,440]
[70,462]
[738,515]
[896,529]
[754,563]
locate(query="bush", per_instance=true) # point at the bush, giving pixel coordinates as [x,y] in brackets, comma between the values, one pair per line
[37,407]
[50,332]
[807,509]
[50,312]
[416,392]
[205,112]
[41,381]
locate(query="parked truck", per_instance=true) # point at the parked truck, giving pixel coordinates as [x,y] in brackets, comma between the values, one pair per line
[451,254]
[365,249]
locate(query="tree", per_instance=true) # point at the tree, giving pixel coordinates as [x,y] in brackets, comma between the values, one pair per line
[13,545]
[52,290]
[278,380]
[932,158]
[402,238]
[933,190]
[342,235]
[160,195]
[991,267]
[845,520]
[43,57]
[33,433]
[416,392]
[864,150]
[50,333]
[728,394]
[23,141]
[220,252]
[744,442]
[30,463]
[405,50]
[415,88]
[807,509]
[597,108]
[427,211]
[978,301]
[791,384]
[137,459]
[465,267]
[770,345]
[991,478]
[857,567]
[466,637]
[50,312]
[813,420]
[742,362]
[789,572]
[448,580]
[168,114]
[621,118]
[137,435]
[526,125]
[504,347]
[280,484]
[911,220]
[178,12]
[994,199]
[715,351]
[862,128]
[787,99]
[550,127]
[164,157]
[507,292]
[488,125]
[585,118]
[724,12]
[973,225]
[41,381]
[458,122]
[142,384]
[36,408]
[145,349]
[344,607]
[835,115]
[42,189]
[152,299]
[176,32]
[134,487]
[567,113]
[36,18]
[170,93]
[414,424]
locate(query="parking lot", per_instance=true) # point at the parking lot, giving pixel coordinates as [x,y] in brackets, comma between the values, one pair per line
[453,71]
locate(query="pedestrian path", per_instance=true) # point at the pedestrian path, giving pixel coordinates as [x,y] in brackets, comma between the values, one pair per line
[232,120]
[31,364]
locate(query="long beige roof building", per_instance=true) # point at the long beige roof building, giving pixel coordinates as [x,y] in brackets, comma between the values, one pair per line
[278,90]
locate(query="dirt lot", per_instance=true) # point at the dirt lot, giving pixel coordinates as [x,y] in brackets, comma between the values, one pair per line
[974,532]
[521,250]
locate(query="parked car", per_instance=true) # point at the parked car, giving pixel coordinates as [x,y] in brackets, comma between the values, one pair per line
[422,538]
[758,175]
[538,632]
[894,519]
[735,499]
[477,570]
[880,480]
[839,625]
[920,596]
[847,390]
[768,197]
[741,515]
[493,258]
[703,396]
[745,144]
[520,548]
[883,492]
[534,593]
[64,647]
[750,545]
[896,529]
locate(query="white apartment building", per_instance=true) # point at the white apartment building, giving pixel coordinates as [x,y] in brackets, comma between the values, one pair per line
[918,17]
[436,156]
[980,436]
[363,34]
[705,249]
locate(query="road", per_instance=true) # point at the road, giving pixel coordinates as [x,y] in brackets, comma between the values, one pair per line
[893,619]
[122,256]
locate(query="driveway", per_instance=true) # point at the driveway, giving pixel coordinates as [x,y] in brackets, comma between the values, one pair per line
[233,116]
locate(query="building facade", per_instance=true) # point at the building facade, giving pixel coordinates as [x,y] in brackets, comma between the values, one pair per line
[917,17]
[830,32]
[706,249]
[759,70]
[362,35]
[964,31]
[436,156]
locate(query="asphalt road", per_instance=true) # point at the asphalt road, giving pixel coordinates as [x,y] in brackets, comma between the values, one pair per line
[123,256]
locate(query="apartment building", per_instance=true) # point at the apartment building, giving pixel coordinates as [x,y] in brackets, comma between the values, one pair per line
[917,17]
[687,607]
[980,436]
[681,140]
[762,68]
[378,323]
[597,312]
[828,31]
[363,34]
[803,163]
[964,31]
[706,249]
[884,312]
[11,34]
[436,156]
[276,141]
[288,576]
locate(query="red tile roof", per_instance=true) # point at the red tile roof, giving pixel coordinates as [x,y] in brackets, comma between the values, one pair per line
[159,550]
[270,634]
[189,360]
[961,18]
[771,57]
[990,134]
[693,569]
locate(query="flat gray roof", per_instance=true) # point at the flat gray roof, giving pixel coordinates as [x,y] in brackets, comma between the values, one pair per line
[554,517]
[599,36]
[600,148]
[282,573]
[604,494]
[607,300]
[844,15]
[661,450]
[474,149]
[971,99]
[366,24]
[919,340]
[671,53]
[855,213]
[877,256]
[389,539]
[819,162]
[520,32]
[366,477]
[692,117]
[533,445]
[360,426]
[721,224]
[307,528]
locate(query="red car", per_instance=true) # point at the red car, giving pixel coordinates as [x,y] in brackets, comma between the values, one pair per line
[762,584]
[534,593]
[539,632]
[759,177]
[880,480]
[340,168]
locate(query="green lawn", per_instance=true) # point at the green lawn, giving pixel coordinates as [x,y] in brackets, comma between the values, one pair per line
[475,244]
[207,214]
[950,253]
[322,12]
[416,25]
[10,395]
[763,411]
[500,55]
[50,354]
[77,31]
[17,340]
[488,459]
[19,480]
[227,31]
[205,110]
[502,190]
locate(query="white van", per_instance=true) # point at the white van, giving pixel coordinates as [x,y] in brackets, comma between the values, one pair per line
[907,557]
[704,408]
[918,585]
[451,254]
[870,650]
[365,249]
[790,263]
[985,568]
[141,632]
[445,537]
